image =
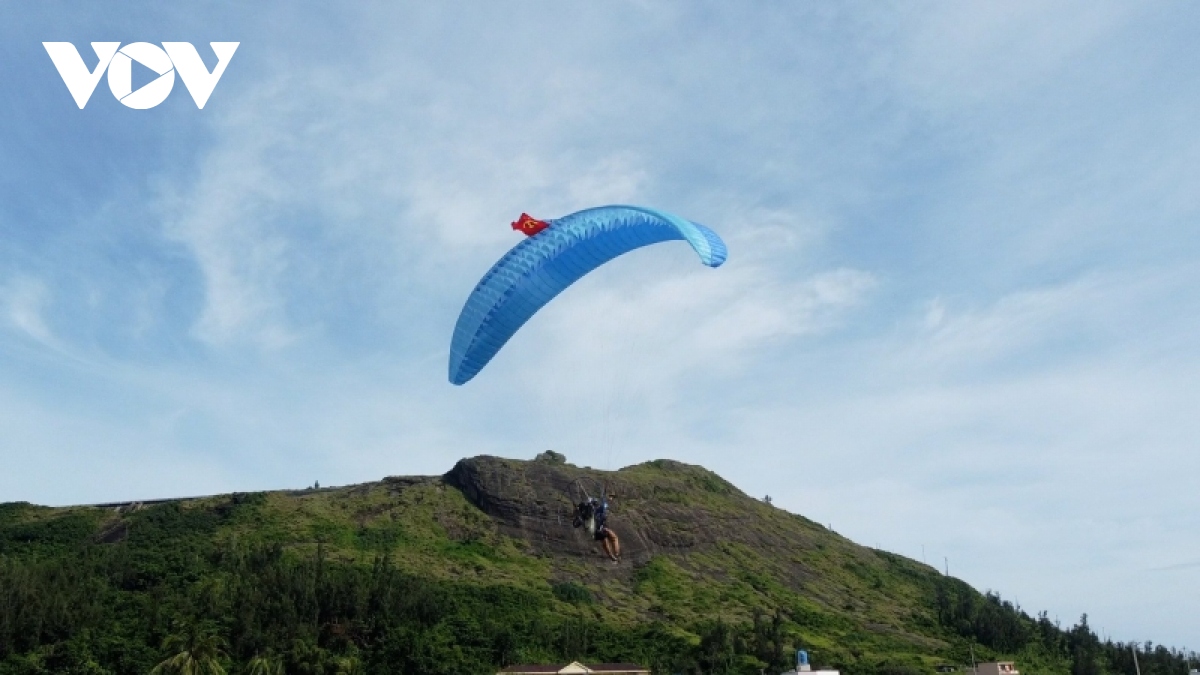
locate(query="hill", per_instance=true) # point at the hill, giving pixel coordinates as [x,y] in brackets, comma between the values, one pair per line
[480,568]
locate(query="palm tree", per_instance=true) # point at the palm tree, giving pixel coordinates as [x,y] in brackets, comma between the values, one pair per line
[196,652]
[264,664]
[348,665]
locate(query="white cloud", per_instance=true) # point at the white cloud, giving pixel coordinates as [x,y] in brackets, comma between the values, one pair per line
[1013,324]
[671,328]
[977,55]
[230,221]
[24,301]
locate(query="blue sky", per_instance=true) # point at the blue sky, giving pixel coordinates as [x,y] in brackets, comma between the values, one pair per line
[958,321]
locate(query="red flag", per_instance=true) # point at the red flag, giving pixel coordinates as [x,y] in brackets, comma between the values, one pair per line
[529,225]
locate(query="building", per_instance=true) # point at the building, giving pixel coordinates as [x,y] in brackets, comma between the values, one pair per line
[997,668]
[803,667]
[577,668]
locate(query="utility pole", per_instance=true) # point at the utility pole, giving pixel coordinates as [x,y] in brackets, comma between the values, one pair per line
[1133,648]
[947,560]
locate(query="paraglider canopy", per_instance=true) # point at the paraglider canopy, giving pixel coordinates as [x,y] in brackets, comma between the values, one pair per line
[552,258]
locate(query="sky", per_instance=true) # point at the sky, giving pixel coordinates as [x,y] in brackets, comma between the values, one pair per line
[958,320]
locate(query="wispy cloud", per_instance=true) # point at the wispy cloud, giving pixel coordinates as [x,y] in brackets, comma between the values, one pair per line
[24,301]
[1181,566]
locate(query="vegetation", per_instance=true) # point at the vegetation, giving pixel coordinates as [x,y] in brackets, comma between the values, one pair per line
[409,576]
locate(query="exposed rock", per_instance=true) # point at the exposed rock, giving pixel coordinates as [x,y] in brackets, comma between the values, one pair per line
[654,509]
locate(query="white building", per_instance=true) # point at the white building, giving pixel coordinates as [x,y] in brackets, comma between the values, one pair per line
[997,668]
[802,666]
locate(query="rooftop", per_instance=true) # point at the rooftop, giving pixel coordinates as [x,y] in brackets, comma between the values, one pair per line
[577,668]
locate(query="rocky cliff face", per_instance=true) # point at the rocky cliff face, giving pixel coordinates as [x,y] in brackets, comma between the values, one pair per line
[658,508]
[694,547]
[533,501]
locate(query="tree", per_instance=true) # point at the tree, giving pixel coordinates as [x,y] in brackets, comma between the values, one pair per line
[265,664]
[1084,649]
[717,649]
[196,652]
[347,665]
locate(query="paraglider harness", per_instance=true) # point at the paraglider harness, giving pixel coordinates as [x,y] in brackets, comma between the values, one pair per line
[594,515]
[590,512]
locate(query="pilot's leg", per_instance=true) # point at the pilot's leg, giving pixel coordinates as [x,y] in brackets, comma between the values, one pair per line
[612,544]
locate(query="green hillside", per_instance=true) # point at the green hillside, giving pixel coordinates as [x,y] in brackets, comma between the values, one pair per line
[480,568]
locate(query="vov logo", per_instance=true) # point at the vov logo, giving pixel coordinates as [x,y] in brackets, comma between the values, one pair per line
[171,58]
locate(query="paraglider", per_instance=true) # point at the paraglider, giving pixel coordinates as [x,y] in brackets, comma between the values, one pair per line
[556,254]
[591,513]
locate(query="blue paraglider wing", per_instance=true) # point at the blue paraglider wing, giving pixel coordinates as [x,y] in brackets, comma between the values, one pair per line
[544,265]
